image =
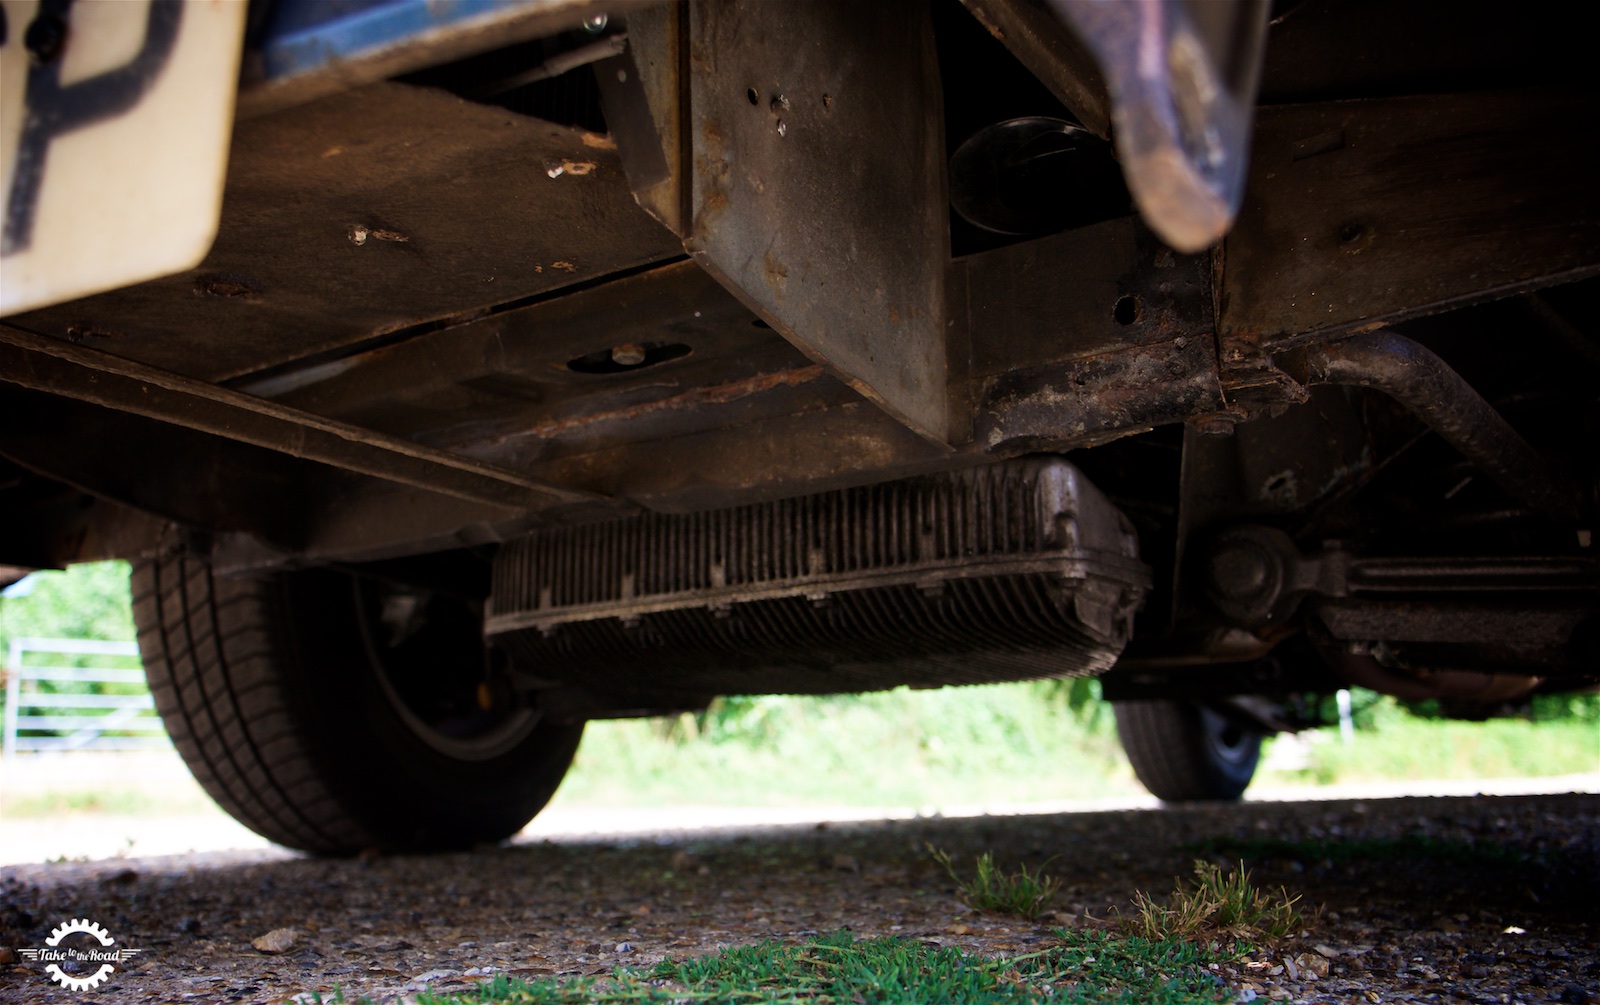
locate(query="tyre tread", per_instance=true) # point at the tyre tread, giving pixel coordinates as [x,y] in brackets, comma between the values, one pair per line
[1166,744]
[210,653]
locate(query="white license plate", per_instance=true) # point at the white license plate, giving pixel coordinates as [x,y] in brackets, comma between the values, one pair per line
[114,125]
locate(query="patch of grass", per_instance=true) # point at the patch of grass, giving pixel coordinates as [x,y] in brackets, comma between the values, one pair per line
[1217,904]
[118,802]
[1022,892]
[1396,746]
[1084,968]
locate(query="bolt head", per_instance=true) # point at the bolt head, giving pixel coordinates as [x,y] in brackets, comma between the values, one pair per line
[1220,424]
[628,354]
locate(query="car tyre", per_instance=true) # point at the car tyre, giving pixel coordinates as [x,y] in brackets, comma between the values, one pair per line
[1183,751]
[335,715]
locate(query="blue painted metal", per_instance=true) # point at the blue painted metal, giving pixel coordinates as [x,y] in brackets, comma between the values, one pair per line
[304,36]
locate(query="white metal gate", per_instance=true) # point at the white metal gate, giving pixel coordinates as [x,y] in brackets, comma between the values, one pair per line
[80,719]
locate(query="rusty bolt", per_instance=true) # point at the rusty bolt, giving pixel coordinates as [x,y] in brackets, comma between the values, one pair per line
[628,354]
[1220,424]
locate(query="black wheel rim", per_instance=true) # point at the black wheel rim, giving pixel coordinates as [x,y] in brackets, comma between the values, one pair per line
[1227,742]
[426,651]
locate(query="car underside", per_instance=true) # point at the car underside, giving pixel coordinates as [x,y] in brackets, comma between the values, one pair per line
[603,358]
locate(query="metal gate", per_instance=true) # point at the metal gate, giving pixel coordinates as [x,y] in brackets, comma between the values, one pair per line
[42,715]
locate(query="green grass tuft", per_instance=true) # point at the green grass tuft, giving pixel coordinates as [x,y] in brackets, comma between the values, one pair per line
[1214,904]
[1022,892]
[1084,968]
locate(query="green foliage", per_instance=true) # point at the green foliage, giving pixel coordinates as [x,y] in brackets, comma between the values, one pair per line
[948,747]
[1583,708]
[89,601]
[1083,968]
[1408,748]
[1215,903]
[1022,892]
[1373,712]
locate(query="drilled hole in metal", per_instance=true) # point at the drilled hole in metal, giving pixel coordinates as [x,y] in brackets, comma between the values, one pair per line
[1126,311]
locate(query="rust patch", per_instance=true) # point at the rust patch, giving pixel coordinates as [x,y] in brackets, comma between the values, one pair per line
[776,273]
[360,233]
[80,330]
[717,394]
[564,266]
[599,141]
[229,287]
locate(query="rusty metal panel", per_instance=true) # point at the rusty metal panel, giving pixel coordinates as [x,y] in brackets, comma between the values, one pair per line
[818,190]
[1097,399]
[1084,292]
[1364,212]
[369,212]
[656,41]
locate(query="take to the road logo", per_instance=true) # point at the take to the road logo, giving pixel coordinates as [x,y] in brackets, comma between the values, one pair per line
[90,964]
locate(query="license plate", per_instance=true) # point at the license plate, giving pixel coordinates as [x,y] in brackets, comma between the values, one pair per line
[114,125]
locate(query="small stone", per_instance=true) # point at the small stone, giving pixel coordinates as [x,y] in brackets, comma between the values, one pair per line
[959,929]
[421,981]
[624,947]
[279,940]
[7,955]
[1313,963]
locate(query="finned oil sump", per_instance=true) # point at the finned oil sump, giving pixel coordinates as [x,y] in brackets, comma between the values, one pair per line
[1009,572]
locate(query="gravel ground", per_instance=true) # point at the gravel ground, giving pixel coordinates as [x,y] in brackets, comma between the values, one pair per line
[1461,899]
